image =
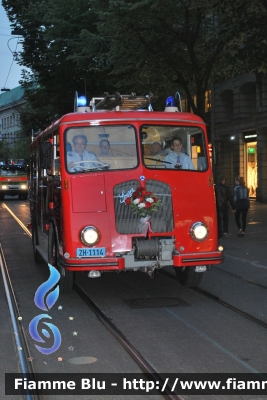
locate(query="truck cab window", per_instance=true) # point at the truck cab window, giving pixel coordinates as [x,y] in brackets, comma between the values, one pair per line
[174,147]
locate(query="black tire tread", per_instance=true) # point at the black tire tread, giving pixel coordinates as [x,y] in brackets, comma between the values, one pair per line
[188,276]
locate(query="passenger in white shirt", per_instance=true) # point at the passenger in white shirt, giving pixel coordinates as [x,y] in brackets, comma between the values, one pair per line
[75,158]
[176,159]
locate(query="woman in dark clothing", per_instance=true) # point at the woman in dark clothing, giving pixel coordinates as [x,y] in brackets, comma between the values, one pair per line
[242,204]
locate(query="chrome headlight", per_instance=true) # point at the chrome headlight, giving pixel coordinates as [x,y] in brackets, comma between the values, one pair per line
[199,231]
[23,186]
[90,235]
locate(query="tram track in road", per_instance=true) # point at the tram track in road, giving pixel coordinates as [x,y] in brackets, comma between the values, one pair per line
[199,290]
[241,278]
[231,307]
[23,353]
[223,303]
[143,364]
[205,293]
[165,390]
[151,355]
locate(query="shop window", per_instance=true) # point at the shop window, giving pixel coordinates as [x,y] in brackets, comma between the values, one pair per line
[252,173]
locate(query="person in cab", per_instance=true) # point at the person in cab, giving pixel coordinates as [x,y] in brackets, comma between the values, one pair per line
[156,149]
[77,159]
[176,158]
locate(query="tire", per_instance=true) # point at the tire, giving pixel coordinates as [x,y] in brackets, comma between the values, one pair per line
[36,255]
[2,196]
[66,277]
[188,277]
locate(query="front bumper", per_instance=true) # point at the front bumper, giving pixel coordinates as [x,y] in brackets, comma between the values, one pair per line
[128,262]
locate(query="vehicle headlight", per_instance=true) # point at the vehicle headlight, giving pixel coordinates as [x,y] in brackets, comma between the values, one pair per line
[199,231]
[90,235]
[4,187]
[23,186]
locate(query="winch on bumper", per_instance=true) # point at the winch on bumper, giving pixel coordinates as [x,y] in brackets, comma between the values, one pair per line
[147,254]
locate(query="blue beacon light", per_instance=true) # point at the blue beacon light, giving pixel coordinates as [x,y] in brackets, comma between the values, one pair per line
[82,101]
[171,102]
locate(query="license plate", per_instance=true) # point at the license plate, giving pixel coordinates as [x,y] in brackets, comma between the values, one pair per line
[95,252]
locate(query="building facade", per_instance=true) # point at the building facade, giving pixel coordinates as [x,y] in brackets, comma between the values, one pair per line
[239,131]
[10,105]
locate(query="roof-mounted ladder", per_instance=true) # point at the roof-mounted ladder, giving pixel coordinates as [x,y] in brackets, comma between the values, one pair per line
[123,102]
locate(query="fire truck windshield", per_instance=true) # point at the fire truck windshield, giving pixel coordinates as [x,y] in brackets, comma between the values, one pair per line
[101,147]
[114,147]
[10,170]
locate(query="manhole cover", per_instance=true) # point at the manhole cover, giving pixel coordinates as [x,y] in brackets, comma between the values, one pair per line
[156,302]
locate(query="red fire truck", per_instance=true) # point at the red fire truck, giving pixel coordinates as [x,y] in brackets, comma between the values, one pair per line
[116,186]
[13,181]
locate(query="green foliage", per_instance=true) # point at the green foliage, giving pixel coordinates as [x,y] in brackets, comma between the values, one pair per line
[93,46]
[4,151]
[21,150]
[52,31]
[156,44]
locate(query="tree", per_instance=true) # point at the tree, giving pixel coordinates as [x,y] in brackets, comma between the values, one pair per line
[154,44]
[248,47]
[52,29]
[134,46]
[4,151]
[21,150]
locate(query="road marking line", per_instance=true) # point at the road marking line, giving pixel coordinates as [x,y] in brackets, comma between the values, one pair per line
[18,220]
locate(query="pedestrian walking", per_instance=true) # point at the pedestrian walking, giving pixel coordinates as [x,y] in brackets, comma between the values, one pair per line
[242,205]
[223,200]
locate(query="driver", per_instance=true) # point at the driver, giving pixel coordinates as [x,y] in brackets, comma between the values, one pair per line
[75,158]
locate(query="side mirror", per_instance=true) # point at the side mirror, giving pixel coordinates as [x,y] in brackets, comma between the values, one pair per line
[45,155]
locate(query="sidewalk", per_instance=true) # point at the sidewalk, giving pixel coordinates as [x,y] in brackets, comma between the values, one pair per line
[252,247]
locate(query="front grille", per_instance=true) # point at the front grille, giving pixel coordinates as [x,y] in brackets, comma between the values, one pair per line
[127,222]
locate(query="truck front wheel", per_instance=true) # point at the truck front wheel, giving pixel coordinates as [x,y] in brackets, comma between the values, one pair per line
[187,276]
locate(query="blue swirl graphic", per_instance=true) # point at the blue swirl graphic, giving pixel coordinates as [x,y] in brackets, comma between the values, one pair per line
[39,298]
[35,335]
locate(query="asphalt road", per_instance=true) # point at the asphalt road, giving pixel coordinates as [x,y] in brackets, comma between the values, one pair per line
[197,336]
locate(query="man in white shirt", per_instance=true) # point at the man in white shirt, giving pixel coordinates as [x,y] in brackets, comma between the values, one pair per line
[75,158]
[176,159]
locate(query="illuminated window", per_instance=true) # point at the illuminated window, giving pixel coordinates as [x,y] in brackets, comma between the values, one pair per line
[207,100]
